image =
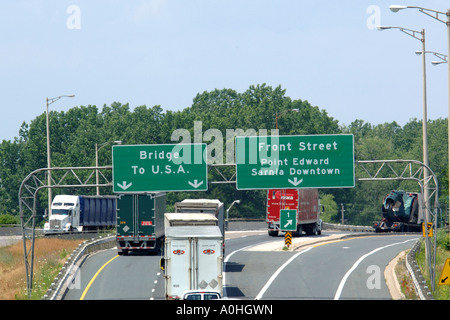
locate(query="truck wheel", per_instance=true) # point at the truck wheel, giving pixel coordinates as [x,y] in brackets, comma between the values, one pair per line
[314,229]
[273,233]
[299,231]
[311,230]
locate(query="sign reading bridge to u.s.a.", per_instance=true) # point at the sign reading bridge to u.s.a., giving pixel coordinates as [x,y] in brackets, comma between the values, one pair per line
[163,167]
[306,161]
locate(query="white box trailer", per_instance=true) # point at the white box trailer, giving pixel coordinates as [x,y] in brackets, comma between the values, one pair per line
[193,260]
[191,219]
[211,206]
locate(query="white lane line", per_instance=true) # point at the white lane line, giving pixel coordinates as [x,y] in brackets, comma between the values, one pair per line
[273,277]
[355,265]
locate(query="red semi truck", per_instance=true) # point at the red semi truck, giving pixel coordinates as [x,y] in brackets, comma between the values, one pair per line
[305,201]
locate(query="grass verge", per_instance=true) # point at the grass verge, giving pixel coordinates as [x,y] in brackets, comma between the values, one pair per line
[405,281]
[49,256]
[442,253]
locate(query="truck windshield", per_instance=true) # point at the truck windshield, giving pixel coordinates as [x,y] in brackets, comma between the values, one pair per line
[198,296]
[60,211]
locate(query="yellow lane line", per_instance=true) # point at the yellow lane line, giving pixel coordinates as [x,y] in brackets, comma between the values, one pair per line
[95,276]
[337,240]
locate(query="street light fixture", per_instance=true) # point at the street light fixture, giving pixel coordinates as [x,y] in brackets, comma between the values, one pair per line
[441,56]
[396,7]
[435,63]
[381,28]
[49,175]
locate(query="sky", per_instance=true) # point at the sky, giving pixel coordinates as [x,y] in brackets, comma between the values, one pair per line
[165,52]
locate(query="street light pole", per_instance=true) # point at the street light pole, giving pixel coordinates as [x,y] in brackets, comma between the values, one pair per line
[414,34]
[425,120]
[228,210]
[448,117]
[49,164]
[436,15]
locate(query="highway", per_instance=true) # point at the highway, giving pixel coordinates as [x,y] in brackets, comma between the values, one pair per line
[257,268]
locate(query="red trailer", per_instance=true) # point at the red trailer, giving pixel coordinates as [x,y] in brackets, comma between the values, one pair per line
[305,201]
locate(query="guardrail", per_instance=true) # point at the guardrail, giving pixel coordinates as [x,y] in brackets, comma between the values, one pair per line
[420,284]
[344,227]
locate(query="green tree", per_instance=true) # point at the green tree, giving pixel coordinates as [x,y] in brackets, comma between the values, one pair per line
[330,209]
[74,133]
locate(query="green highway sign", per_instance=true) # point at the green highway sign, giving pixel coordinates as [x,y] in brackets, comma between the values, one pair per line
[288,220]
[308,161]
[163,167]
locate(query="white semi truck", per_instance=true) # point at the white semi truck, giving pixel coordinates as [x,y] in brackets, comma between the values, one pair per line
[193,255]
[79,213]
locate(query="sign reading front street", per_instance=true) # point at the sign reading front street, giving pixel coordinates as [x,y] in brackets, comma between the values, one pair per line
[310,161]
[166,167]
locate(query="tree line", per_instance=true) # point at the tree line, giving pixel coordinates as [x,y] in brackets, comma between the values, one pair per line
[73,135]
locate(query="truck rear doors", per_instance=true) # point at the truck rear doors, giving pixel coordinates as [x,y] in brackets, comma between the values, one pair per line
[135,222]
[193,259]
[180,268]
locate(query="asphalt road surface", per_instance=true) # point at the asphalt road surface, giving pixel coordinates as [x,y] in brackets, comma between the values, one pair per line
[256,267]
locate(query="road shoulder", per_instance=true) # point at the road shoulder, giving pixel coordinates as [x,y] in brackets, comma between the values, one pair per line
[391,278]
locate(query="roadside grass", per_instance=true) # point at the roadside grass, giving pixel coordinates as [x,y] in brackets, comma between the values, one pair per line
[49,256]
[442,253]
[405,281]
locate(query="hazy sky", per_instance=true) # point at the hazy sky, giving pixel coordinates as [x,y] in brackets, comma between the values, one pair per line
[164,52]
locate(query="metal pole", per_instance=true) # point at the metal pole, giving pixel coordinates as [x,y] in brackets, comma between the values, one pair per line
[448,118]
[424,125]
[49,174]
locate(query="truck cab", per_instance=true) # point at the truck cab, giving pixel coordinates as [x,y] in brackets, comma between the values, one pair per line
[64,215]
